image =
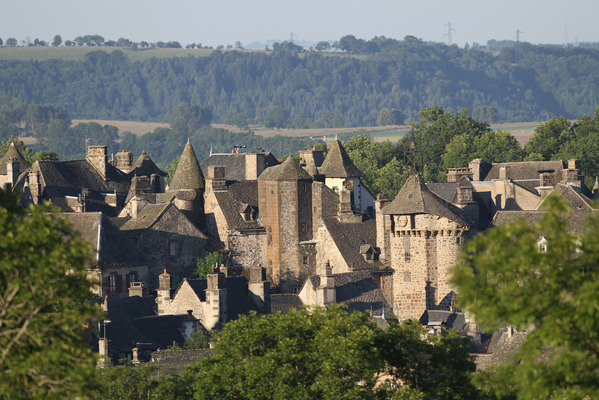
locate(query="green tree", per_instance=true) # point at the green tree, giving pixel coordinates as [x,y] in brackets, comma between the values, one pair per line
[549,137]
[237,119]
[127,382]
[492,146]
[504,277]
[276,117]
[45,301]
[389,116]
[11,42]
[214,259]
[57,40]
[172,168]
[186,118]
[323,45]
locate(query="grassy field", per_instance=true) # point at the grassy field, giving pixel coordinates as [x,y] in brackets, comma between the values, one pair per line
[78,53]
[521,131]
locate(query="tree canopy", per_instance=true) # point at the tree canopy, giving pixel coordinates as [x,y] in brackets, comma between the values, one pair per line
[45,304]
[504,277]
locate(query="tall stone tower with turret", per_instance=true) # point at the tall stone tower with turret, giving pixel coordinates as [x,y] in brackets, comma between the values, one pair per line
[285,203]
[420,235]
[188,183]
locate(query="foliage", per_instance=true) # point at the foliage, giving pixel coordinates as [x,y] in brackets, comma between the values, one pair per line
[523,82]
[187,118]
[45,302]
[199,339]
[331,354]
[504,278]
[492,146]
[390,116]
[276,117]
[127,382]
[205,265]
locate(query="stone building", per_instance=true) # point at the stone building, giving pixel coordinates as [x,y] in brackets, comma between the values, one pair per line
[419,235]
[215,300]
[12,164]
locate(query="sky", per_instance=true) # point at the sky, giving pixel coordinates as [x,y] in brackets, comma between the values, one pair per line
[223,22]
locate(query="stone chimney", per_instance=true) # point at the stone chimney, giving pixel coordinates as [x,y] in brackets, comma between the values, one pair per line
[216,178]
[135,357]
[546,183]
[12,171]
[504,173]
[98,158]
[215,312]
[259,289]
[35,186]
[464,192]
[479,169]
[124,160]
[572,174]
[255,164]
[311,160]
[456,174]
[163,293]
[383,223]
[325,292]
[136,289]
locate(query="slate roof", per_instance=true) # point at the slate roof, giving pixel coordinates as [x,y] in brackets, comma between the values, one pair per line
[176,361]
[162,330]
[359,292]
[234,164]
[448,319]
[284,302]
[231,201]
[146,217]
[337,163]
[188,174]
[289,170]
[445,190]
[526,170]
[144,166]
[115,250]
[348,237]
[13,152]
[415,198]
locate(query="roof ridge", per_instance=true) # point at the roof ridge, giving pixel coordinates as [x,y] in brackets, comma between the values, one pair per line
[188,174]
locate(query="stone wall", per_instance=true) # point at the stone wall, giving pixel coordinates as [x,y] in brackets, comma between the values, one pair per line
[422,252]
[248,249]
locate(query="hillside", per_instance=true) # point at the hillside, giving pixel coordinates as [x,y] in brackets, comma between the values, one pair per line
[340,89]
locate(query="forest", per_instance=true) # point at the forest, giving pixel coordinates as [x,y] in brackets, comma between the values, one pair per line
[346,87]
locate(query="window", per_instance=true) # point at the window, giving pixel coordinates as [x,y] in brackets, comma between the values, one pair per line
[408,256]
[542,244]
[174,248]
[112,281]
[305,260]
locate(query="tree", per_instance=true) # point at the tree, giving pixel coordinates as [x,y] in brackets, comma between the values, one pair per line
[1,42]
[238,119]
[504,277]
[11,42]
[493,146]
[330,354]
[549,137]
[57,40]
[205,265]
[276,117]
[45,301]
[188,118]
[389,116]
[323,45]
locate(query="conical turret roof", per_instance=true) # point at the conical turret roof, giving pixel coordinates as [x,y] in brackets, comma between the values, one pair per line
[289,170]
[416,198]
[13,152]
[188,174]
[337,163]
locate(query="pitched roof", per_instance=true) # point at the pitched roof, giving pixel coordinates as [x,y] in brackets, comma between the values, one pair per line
[231,201]
[289,170]
[177,361]
[359,292]
[115,250]
[285,302]
[348,237]
[146,217]
[234,164]
[526,169]
[337,163]
[144,166]
[416,198]
[11,153]
[445,190]
[447,319]
[188,174]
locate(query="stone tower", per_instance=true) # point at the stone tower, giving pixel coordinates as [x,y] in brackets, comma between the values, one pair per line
[341,174]
[189,184]
[422,234]
[285,203]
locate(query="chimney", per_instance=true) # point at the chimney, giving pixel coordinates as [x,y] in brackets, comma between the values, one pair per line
[12,171]
[255,163]
[572,174]
[326,293]
[136,289]
[155,183]
[215,313]
[479,169]
[35,186]
[124,161]
[465,192]
[216,178]
[259,289]
[383,224]
[135,358]
[98,158]
[503,173]
[163,293]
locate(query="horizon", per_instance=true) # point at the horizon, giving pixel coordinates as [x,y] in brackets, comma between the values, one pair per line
[268,21]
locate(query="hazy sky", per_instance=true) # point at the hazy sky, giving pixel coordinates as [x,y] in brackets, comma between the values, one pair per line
[227,21]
